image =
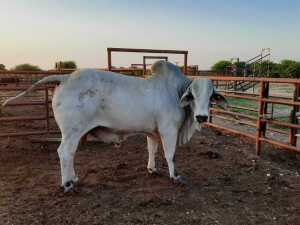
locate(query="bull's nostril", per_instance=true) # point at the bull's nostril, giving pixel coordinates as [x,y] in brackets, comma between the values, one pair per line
[201,119]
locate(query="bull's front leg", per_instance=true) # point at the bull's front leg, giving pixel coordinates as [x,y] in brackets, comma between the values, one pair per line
[169,141]
[152,145]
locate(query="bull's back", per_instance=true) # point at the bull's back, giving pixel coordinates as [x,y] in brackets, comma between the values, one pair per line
[121,102]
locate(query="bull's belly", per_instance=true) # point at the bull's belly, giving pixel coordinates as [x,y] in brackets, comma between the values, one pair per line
[124,122]
[116,137]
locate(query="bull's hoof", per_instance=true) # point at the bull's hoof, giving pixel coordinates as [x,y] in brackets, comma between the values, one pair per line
[68,186]
[153,172]
[178,180]
[117,144]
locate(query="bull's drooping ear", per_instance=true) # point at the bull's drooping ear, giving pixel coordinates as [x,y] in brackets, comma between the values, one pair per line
[186,98]
[219,100]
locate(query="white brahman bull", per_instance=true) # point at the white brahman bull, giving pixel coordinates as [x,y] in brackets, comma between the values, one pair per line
[167,107]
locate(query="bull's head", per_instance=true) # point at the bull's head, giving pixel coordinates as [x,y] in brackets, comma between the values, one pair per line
[198,96]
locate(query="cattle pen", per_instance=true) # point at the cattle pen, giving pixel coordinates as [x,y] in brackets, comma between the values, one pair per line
[225,181]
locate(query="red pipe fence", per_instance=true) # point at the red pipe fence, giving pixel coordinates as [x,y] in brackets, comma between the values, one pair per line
[259,119]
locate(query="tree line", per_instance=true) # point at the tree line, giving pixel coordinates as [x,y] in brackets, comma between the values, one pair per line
[30,67]
[284,69]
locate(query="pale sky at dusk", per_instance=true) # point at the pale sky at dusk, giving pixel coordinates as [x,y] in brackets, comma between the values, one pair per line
[43,32]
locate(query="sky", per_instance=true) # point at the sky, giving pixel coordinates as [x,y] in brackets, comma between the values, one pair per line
[42,32]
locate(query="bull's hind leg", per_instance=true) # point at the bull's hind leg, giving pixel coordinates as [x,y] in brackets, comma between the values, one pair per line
[152,144]
[66,153]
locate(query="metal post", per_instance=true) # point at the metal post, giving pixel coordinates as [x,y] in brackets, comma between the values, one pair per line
[47,109]
[109,59]
[293,117]
[144,65]
[260,125]
[185,64]
[265,107]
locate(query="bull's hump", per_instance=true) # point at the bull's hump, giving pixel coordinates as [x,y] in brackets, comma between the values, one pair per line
[165,69]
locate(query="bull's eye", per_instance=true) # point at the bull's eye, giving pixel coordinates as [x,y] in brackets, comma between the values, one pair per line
[214,97]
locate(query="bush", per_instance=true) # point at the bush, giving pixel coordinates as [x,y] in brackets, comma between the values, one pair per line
[26,67]
[66,65]
[2,67]
[221,66]
[290,68]
[240,68]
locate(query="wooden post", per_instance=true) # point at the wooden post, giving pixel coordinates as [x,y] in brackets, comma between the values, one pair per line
[293,117]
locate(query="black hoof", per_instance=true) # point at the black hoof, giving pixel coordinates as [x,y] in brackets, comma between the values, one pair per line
[178,180]
[153,172]
[68,186]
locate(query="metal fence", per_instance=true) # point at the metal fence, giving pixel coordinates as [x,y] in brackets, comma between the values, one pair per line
[12,82]
[259,120]
[263,114]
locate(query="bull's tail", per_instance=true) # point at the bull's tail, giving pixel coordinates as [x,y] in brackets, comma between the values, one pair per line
[49,79]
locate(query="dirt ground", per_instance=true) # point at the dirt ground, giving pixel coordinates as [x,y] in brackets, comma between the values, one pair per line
[224,184]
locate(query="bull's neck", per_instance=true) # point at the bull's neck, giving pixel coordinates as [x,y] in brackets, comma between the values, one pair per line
[178,82]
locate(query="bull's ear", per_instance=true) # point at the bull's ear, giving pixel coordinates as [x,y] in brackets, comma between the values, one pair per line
[219,100]
[186,98]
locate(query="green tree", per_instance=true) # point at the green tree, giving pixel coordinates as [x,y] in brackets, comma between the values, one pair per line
[2,67]
[290,68]
[66,65]
[275,70]
[221,66]
[240,67]
[27,67]
[267,68]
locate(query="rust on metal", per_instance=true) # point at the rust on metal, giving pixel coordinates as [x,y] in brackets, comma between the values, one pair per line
[145,50]
[221,111]
[254,79]
[235,132]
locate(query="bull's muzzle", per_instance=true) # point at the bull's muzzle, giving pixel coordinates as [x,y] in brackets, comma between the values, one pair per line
[201,119]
